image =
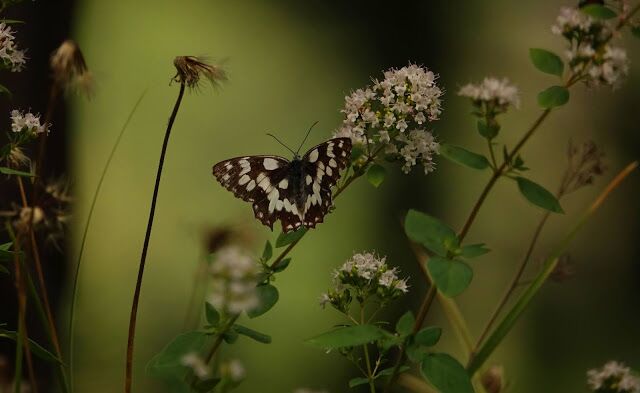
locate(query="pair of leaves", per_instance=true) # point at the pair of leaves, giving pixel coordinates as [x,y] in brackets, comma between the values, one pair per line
[464,157]
[267,253]
[213,319]
[550,63]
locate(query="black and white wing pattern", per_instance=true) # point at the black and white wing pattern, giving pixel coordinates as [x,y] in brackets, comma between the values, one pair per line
[323,164]
[253,179]
[296,192]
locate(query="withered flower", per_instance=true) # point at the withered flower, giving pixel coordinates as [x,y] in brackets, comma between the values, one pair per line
[189,70]
[586,161]
[69,68]
[493,379]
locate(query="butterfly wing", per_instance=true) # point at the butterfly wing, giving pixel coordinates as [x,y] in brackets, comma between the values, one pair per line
[254,179]
[323,164]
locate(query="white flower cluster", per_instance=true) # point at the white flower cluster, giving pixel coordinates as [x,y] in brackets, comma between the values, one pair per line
[363,275]
[234,276]
[613,377]
[193,361]
[233,369]
[12,57]
[27,122]
[380,117]
[590,54]
[492,93]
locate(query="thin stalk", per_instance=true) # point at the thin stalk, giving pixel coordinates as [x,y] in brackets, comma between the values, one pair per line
[136,294]
[549,265]
[76,275]
[220,337]
[372,386]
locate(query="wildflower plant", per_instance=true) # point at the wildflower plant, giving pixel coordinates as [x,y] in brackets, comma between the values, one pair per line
[390,125]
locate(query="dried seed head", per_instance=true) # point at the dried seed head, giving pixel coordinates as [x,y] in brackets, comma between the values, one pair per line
[586,161]
[565,269]
[28,218]
[16,158]
[189,70]
[70,69]
[493,379]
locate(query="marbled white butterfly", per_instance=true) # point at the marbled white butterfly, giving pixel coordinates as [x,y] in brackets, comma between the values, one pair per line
[296,192]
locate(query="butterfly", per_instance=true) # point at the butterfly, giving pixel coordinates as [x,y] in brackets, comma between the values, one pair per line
[296,192]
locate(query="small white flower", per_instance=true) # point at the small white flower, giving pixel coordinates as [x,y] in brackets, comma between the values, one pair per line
[498,92]
[324,300]
[401,285]
[613,377]
[233,284]
[10,55]
[236,370]
[27,122]
[387,278]
[197,364]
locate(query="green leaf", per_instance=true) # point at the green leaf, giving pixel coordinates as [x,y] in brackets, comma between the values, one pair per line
[636,31]
[356,152]
[428,336]
[451,276]
[5,254]
[473,250]
[36,348]
[598,11]
[11,21]
[5,91]
[282,265]
[285,239]
[168,363]
[268,295]
[268,251]
[430,232]
[488,130]
[205,385]
[9,171]
[389,371]
[446,373]
[4,270]
[257,336]
[553,97]
[546,61]
[358,381]
[376,174]
[404,326]
[538,195]
[464,157]
[349,336]
[230,336]
[211,314]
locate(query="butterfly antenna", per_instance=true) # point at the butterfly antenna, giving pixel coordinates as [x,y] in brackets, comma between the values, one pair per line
[306,136]
[280,142]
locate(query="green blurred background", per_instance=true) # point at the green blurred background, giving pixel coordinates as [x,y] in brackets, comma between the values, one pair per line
[290,64]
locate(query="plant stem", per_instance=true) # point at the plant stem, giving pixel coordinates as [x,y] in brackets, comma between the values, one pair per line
[145,247]
[372,386]
[549,265]
[220,337]
[76,274]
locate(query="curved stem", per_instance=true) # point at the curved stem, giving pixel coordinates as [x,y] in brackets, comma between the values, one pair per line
[85,231]
[145,247]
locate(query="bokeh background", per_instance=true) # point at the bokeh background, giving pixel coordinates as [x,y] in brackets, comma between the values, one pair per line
[291,63]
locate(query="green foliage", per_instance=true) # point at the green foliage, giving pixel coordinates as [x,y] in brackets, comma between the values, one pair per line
[451,276]
[211,314]
[267,253]
[257,336]
[356,153]
[282,265]
[4,270]
[464,157]
[268,295]
[546,61]
[35,348]
[205,385]
[636,31]
[230,336]
[598,11]
[430,232]
[553,97]
[9,171]
[358,381]
[428,336]
[473,250]
[404,326]
[446,373]
[348,336]
[376,174]
[538,195]
[5,91]
[5,254]
[168,363]
[284,239]
[488,130]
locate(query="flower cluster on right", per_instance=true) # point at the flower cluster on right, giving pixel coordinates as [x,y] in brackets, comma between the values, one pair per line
[590,52]
[613,377]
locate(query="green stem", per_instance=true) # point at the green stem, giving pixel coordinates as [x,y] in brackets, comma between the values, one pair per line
[549,265]
[372,386]
[145,248]
[85,231]
[220,337]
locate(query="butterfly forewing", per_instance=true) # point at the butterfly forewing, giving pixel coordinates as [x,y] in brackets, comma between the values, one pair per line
[297,192]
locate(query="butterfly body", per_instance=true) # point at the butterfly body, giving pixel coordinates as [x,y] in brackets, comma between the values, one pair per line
[296,192]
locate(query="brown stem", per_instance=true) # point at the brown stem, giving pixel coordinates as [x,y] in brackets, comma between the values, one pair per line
[145,247]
